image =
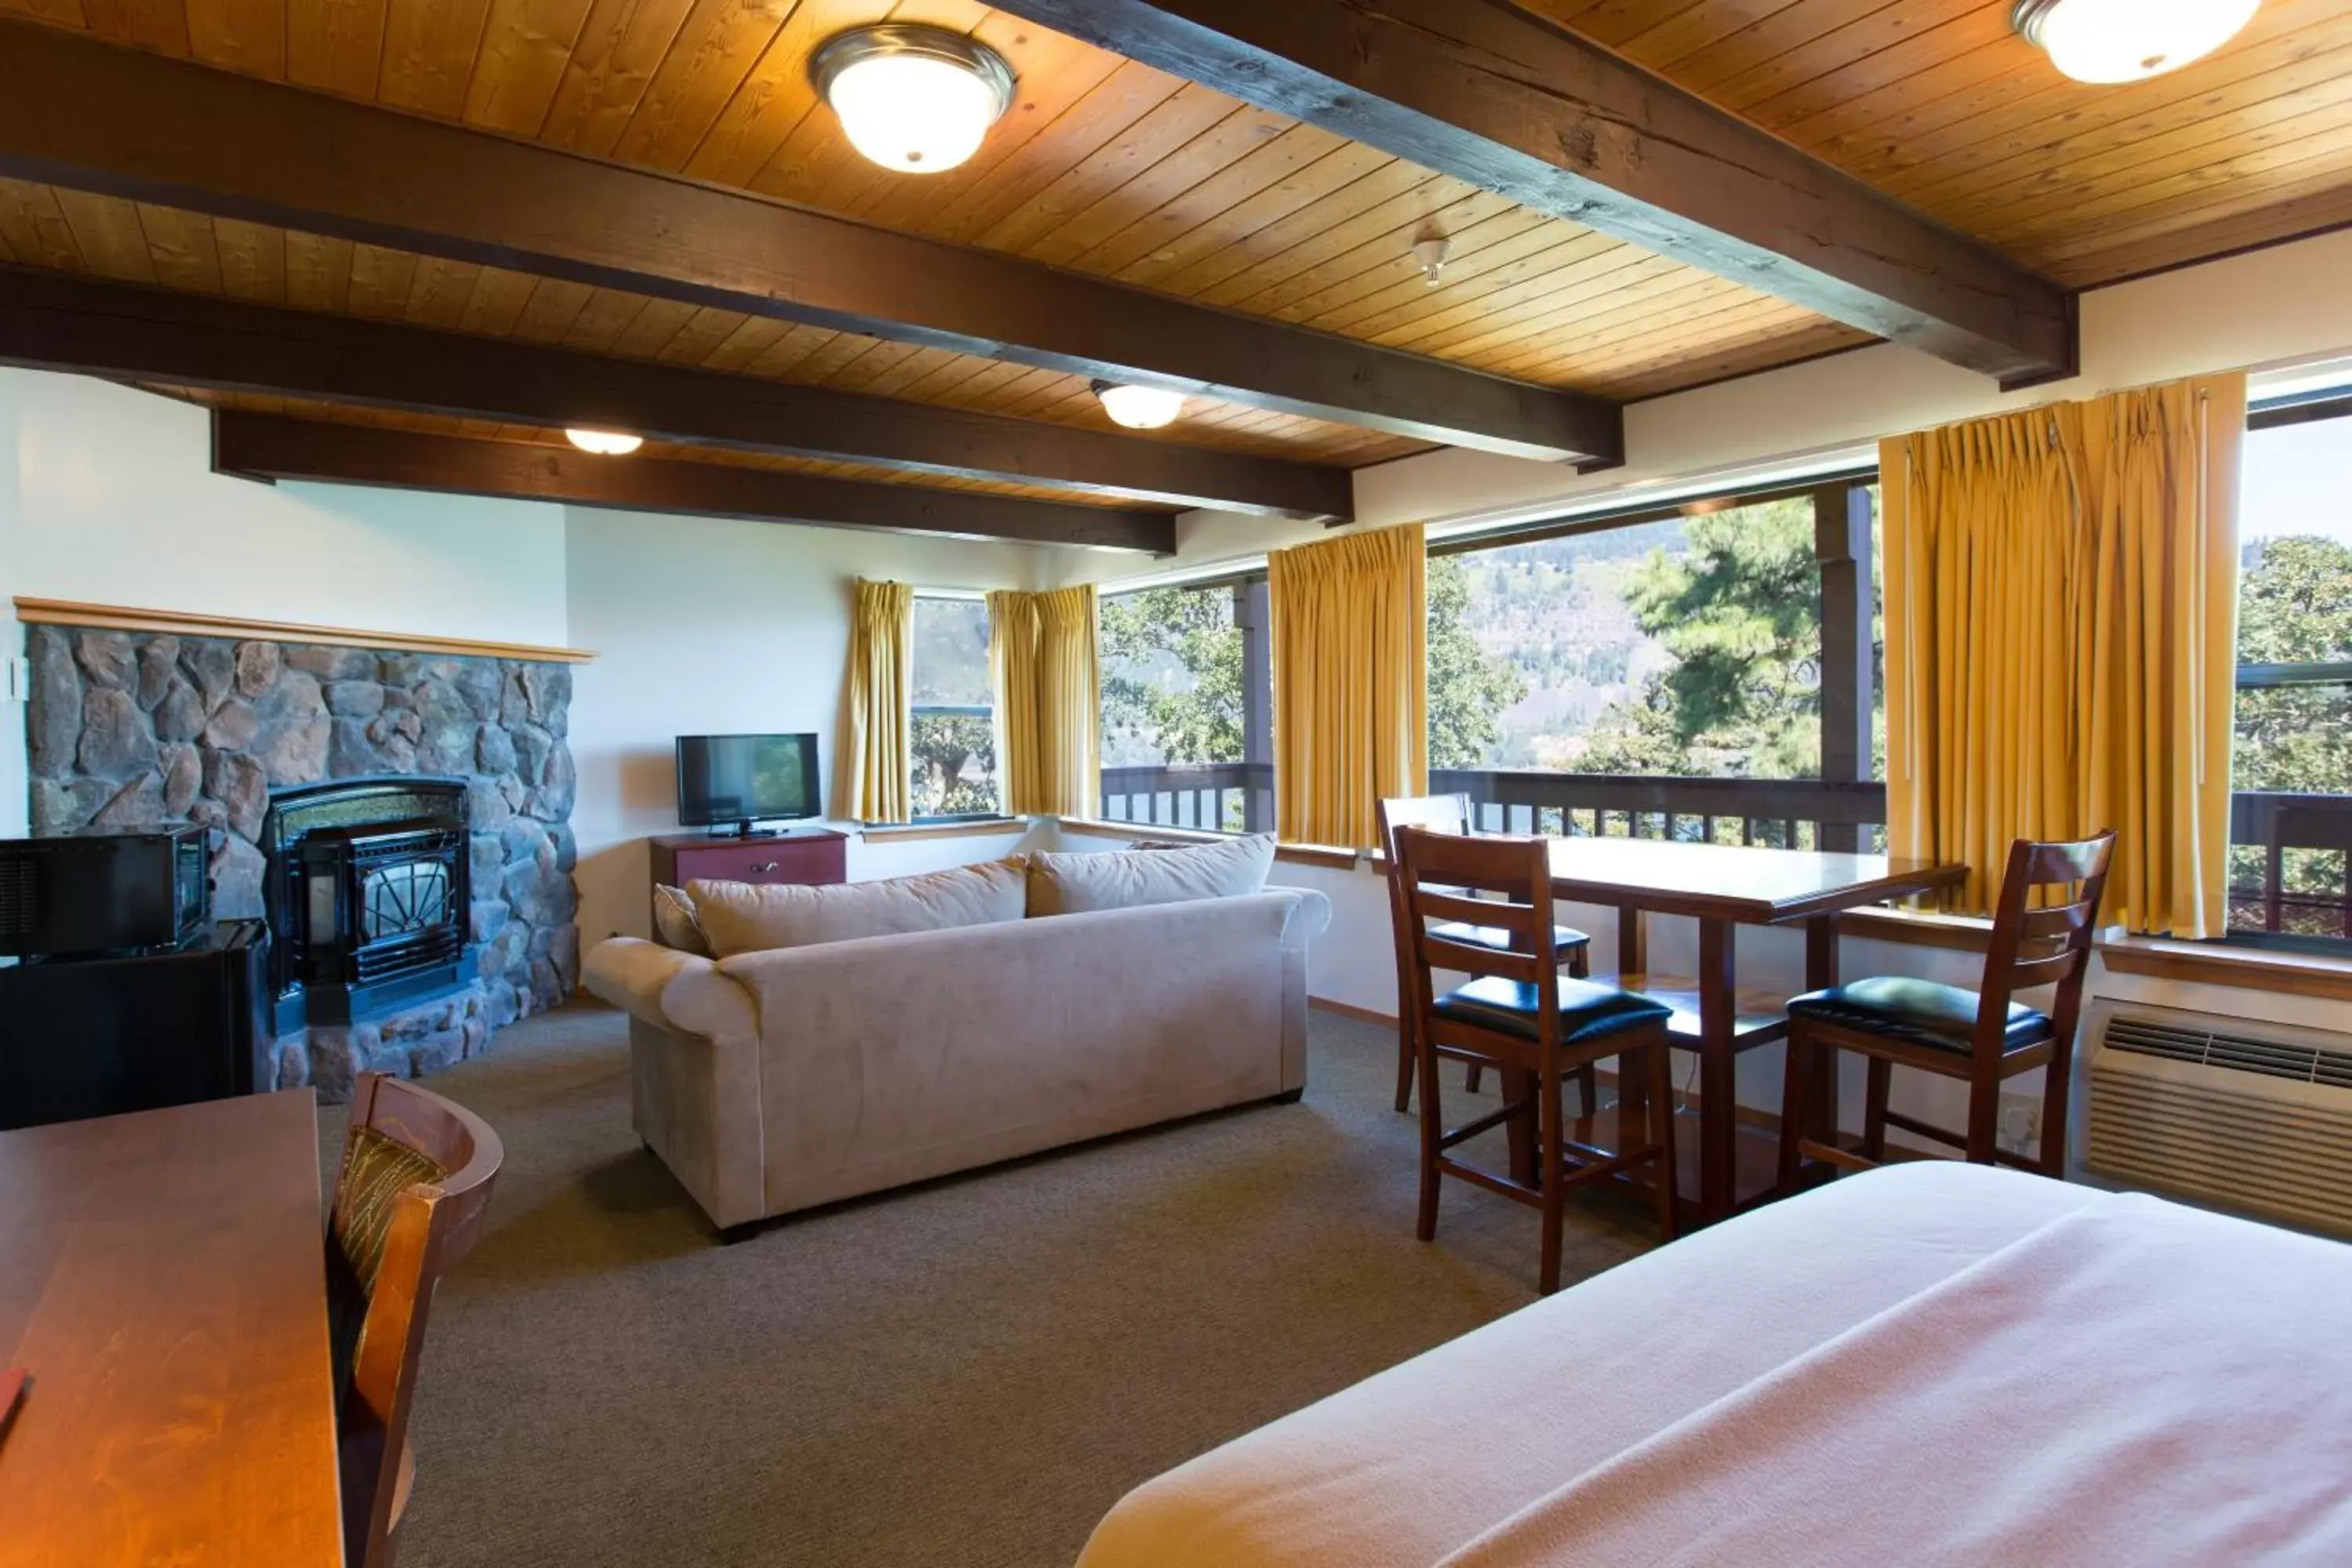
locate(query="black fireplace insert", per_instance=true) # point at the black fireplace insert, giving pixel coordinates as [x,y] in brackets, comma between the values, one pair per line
[367,895]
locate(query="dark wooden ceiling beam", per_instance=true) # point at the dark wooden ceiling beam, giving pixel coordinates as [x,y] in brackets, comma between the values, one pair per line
[269,447]
[78,112]
[51,322]
[1488,93]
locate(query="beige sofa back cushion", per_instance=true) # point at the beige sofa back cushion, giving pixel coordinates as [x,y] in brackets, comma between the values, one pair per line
[676,923]
[1125,879]
[743,917]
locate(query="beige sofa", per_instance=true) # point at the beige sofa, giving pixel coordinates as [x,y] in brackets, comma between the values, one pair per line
[773,1080]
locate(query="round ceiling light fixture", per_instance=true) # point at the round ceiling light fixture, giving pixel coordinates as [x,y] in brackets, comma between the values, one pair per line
[2108,41]
[915,99]
[1139,408]
[605,443]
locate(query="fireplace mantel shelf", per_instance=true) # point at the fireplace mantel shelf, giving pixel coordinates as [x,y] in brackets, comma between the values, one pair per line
[118,617]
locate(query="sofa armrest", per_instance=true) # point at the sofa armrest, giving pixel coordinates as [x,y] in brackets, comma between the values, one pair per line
[1310,917]
[682,992]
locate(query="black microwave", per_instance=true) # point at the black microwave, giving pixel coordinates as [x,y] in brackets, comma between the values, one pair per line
[97,890]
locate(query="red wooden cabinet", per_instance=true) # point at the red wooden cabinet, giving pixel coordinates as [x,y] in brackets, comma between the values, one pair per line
[812,854]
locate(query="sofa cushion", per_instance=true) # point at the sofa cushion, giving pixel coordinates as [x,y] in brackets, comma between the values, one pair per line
[677,924]
[743,917]
[1118,879]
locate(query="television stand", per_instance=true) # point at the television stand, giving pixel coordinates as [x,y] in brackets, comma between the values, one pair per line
[745,830]
[800,855]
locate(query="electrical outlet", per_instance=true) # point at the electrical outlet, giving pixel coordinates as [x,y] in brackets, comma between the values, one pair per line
[2020,1123]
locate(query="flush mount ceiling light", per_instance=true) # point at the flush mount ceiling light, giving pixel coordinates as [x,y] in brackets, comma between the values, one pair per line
[1139,408]
[914,99]
[2126,40]
[605,443]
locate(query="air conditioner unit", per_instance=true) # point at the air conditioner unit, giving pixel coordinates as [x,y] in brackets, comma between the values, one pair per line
[2246,1116]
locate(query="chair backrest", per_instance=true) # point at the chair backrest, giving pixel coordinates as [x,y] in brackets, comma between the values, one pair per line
[410,1196]
[1438,813]
[1436,875]
[2042,930]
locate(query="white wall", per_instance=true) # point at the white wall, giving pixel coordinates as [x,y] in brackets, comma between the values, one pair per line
[2265,307]
[708,626]
[117,505]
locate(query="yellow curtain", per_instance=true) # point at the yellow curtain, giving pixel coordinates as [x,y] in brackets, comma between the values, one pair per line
[2061,636]
[875,763]
[1350,626]
[1041,655]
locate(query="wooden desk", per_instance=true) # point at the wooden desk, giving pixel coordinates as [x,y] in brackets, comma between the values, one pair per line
[162,1281]
[1724,887]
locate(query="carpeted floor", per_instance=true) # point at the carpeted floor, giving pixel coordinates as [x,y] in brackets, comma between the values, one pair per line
[966,1372]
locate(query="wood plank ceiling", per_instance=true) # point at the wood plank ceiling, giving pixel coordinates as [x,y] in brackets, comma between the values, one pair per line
[1940,104]
[1108,167]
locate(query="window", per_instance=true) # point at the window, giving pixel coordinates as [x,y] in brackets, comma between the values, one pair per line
[1709,668]
[1186,698]
[953,729]
[2292,817]
[1683,646]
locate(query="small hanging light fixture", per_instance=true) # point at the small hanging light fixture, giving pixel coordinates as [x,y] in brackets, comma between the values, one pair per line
[1139,408]
[2108,41]
[916,99]
[1430,252]
[605,443]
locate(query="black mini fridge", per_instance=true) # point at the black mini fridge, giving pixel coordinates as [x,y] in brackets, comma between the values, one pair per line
[95,1037]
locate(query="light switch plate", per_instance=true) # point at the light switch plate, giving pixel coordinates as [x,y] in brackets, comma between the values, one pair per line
[19,681]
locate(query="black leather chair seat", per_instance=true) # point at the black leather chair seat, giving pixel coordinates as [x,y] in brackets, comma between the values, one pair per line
[1497,939]
[1587,1012]
[1919,1011]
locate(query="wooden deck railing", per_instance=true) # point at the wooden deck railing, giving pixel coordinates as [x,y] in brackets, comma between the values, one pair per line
[1235,797]
[1788,814]
[2291,865]
[2291,862]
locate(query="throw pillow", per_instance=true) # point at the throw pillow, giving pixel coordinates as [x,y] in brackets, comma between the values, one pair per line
[1118,879]
[743,917]
[676,923]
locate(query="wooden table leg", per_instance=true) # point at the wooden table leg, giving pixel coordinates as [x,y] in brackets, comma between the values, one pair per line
[1719,1121]
[1821,974]
[1632,958]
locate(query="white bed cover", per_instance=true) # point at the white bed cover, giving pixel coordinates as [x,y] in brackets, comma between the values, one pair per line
[1930,1363]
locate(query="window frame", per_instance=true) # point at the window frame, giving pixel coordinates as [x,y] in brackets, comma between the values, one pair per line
[1252,619]
[2272,414]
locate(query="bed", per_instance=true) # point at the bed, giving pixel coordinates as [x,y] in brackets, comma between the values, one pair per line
[1938,1363]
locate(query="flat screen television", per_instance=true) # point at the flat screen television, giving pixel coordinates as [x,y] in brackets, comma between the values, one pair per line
[744,779]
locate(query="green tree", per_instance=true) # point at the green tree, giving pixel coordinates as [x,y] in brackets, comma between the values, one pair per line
[1468,688]
[946,748]
[1740,612]
[2294,606]
[1189,635]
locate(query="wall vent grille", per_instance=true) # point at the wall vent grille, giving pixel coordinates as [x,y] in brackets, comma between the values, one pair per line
[2195,1104]
[2233,1052]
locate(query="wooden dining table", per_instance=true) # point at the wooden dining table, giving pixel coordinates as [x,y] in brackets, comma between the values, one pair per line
[163,1286]
[1724,887]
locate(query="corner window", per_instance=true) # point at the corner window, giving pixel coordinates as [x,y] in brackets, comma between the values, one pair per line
[953,723]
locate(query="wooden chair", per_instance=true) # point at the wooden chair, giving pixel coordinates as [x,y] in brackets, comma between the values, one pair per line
[1451,814]
[410,1196]
[1518,1014]
[1982,1037]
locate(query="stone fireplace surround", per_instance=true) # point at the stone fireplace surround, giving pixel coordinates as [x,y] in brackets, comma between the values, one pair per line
[132,728]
